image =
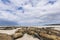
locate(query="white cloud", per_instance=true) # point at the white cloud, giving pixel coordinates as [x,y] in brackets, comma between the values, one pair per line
[41,8]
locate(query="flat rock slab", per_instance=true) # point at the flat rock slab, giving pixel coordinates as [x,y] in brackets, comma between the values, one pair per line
[27,37]
[5,37]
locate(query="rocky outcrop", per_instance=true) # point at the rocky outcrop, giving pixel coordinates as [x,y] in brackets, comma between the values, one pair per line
[40,33]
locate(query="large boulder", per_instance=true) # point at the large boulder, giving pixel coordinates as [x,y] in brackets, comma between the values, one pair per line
[17,35]
[5,37]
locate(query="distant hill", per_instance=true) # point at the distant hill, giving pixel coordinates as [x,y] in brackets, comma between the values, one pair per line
[53,25]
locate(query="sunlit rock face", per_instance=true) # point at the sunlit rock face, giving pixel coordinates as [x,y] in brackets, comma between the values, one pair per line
[28,12]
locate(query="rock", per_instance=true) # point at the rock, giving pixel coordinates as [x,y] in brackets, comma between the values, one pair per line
[31,32]
[5,37]
[20,31]
[40,33]
[17,35]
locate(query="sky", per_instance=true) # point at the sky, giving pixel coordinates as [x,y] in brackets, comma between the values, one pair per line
[29,12]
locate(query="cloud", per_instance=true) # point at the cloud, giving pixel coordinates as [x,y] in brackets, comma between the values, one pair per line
[4,22]
[51,18]
[27,12]
[6,2]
